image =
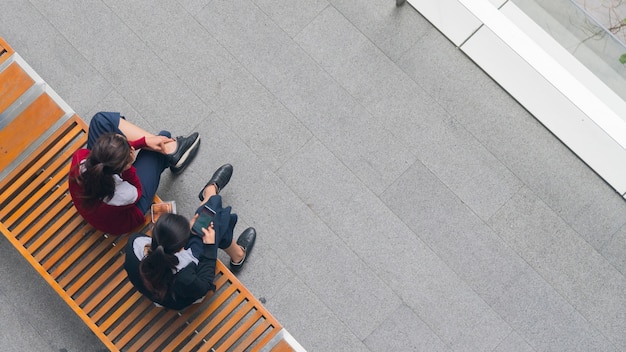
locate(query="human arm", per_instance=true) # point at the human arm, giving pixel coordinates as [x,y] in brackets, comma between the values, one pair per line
[208,233]
[130,175]
[155,143]
[196,281]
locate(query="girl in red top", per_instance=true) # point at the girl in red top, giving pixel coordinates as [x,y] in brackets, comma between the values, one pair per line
[111,183]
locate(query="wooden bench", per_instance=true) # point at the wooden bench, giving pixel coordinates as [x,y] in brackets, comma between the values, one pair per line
[38,135]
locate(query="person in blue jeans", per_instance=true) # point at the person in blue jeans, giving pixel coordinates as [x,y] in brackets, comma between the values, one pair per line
[114,180]
[175,267]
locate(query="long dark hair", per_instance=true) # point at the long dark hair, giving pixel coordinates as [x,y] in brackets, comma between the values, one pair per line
[108,156]
[169,235]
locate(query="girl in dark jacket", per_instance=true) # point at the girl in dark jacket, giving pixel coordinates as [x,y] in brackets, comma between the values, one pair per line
[175,268]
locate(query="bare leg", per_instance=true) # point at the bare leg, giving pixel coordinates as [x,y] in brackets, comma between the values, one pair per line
[235,252]
[209,191]
[133,132]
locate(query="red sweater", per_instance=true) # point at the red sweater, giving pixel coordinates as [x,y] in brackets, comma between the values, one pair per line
[115,220]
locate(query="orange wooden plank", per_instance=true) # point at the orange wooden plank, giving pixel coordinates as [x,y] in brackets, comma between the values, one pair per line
[53,175]
[217,319]
[67,250]
[244,290]
[137,326]
[35,205]
[5,50]
[69,221]
[123,324]
[89,303]
[124,309]
[253,336]
[36,161]
[226,327]
[27,127]
[207,310]
[14,82]
[59,164]
[42,272]
[53,251]
[152,331]
[84,278]
[270,335]
[90,260]
[44,214]
[86,255]
[282,346]
[248,316]
[104,276]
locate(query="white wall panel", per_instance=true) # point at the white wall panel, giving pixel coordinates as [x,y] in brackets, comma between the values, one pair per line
[450,17]
[549,106]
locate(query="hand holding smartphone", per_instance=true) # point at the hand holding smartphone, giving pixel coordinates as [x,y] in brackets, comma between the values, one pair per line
[205,217]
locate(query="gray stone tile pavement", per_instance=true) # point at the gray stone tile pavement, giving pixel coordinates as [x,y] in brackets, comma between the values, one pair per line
[403,200]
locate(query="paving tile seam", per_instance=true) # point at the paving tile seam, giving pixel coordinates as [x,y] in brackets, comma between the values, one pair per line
[548,281]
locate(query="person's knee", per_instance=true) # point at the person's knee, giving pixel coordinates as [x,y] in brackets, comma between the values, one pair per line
[165,134]
[100,117]
[105,120]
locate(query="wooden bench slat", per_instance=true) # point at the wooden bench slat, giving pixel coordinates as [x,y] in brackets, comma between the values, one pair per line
[152,330]
[64,240]
[34,120]
[224,311]
[110,301]
[55,172]
[14,82]
[5,50]
[122,310]
[138,325]
[94,257]
[229,324]
[44,274]
[85,274]
[43,245]
[98,270]
[55,203]
[110,273]
[282,346]
[37,213]
[69,252]
[90,303]
[251,315]
[254,336]
[215,303]
[123,324]
[19,178]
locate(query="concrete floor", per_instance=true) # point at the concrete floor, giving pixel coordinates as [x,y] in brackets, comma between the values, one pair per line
[403,200]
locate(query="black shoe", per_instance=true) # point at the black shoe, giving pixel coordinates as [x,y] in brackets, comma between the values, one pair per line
[220,178]
[246,241]
[186,149]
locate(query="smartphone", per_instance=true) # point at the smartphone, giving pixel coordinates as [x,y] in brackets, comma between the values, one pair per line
[205,216]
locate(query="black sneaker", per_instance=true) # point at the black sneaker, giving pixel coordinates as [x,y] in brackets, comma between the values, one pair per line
[185,151]
[246,241]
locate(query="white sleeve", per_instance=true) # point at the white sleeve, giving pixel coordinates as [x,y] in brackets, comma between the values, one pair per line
[125,193]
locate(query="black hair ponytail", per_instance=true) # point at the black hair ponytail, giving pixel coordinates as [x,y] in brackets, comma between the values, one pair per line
[108,156]
[170,234]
